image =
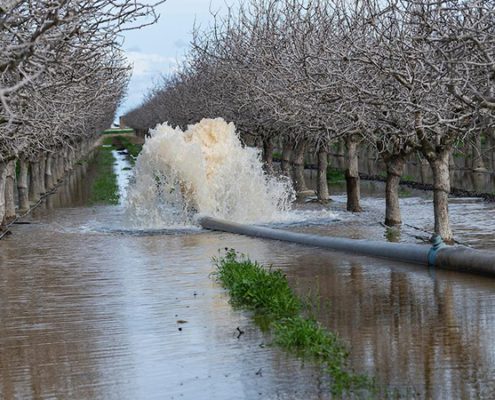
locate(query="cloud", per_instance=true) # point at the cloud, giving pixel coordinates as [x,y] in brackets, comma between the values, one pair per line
[147,70]
[146,64]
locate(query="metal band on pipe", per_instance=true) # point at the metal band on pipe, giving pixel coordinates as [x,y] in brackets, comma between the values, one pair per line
[437,244]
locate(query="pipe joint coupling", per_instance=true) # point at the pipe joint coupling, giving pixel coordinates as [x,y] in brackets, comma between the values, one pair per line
[437,244]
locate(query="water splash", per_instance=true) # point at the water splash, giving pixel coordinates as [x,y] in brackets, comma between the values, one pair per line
[206,170]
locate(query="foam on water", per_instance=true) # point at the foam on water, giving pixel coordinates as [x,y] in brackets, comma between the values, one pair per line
[206,170]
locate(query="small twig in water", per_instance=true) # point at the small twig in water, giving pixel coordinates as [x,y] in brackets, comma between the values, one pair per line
[241,332]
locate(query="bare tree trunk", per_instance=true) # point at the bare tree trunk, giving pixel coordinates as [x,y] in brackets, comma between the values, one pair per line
[59,167]
[268,155]
[286,154]
[478,163]
[352,176]
[492,150]
[298,167]
[49,181]
[452,165]
[340,154]
[372,165]
[322,182]
[395,169]
[70,158]
[425,170]
[441,190]
[22,185]
[3,178]
[66,155]
[41,166]
[34,182]
[10,213]
[467,157]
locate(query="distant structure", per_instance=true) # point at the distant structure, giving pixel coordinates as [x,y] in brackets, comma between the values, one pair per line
[122,124]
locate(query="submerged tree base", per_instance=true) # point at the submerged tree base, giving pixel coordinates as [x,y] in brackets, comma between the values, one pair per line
[267,293]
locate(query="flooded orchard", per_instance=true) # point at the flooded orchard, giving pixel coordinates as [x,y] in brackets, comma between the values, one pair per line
[118,277]
[92,309]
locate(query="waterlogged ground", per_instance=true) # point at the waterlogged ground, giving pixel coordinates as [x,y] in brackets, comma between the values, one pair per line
[472,219]
[91,310]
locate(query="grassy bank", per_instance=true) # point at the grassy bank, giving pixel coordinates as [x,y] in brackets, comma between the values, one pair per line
[122,142]
[104,189]
[267,293]
[118,130]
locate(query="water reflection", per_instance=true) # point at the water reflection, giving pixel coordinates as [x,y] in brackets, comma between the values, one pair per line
[423,333]
[90,314]
[94,316]
[472,219]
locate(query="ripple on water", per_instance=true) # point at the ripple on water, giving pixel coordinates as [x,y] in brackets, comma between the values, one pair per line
[90,310]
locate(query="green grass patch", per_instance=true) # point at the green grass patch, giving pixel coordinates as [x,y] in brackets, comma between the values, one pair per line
[335,175]
[407,178]
[124,143]
[118,130]
[405,192]
[108,141]
[253,287]
[105,189]
[132,148]
[267,293]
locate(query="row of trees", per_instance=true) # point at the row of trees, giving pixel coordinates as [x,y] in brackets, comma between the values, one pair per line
[62,77]
[402,76]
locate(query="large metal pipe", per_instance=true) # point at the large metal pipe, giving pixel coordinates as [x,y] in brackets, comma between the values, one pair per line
[460,258]
[438,255]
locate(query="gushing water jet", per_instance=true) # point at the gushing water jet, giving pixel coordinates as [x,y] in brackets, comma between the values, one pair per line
[206,170]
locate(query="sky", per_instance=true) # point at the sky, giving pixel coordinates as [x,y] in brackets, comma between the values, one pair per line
[154,50]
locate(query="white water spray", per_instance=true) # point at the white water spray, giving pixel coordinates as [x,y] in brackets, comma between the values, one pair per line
[203,170]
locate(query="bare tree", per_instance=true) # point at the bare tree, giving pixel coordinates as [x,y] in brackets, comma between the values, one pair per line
[62,77]
[400,76]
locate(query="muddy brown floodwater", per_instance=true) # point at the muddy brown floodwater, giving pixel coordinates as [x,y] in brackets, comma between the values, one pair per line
[92,311]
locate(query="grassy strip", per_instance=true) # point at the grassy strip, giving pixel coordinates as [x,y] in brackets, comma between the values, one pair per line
[105,189]
[267,293]
[132,149]
[335,175]
[124,142]
[117,130]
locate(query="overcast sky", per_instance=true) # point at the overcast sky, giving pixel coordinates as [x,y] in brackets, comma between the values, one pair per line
[154,50]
